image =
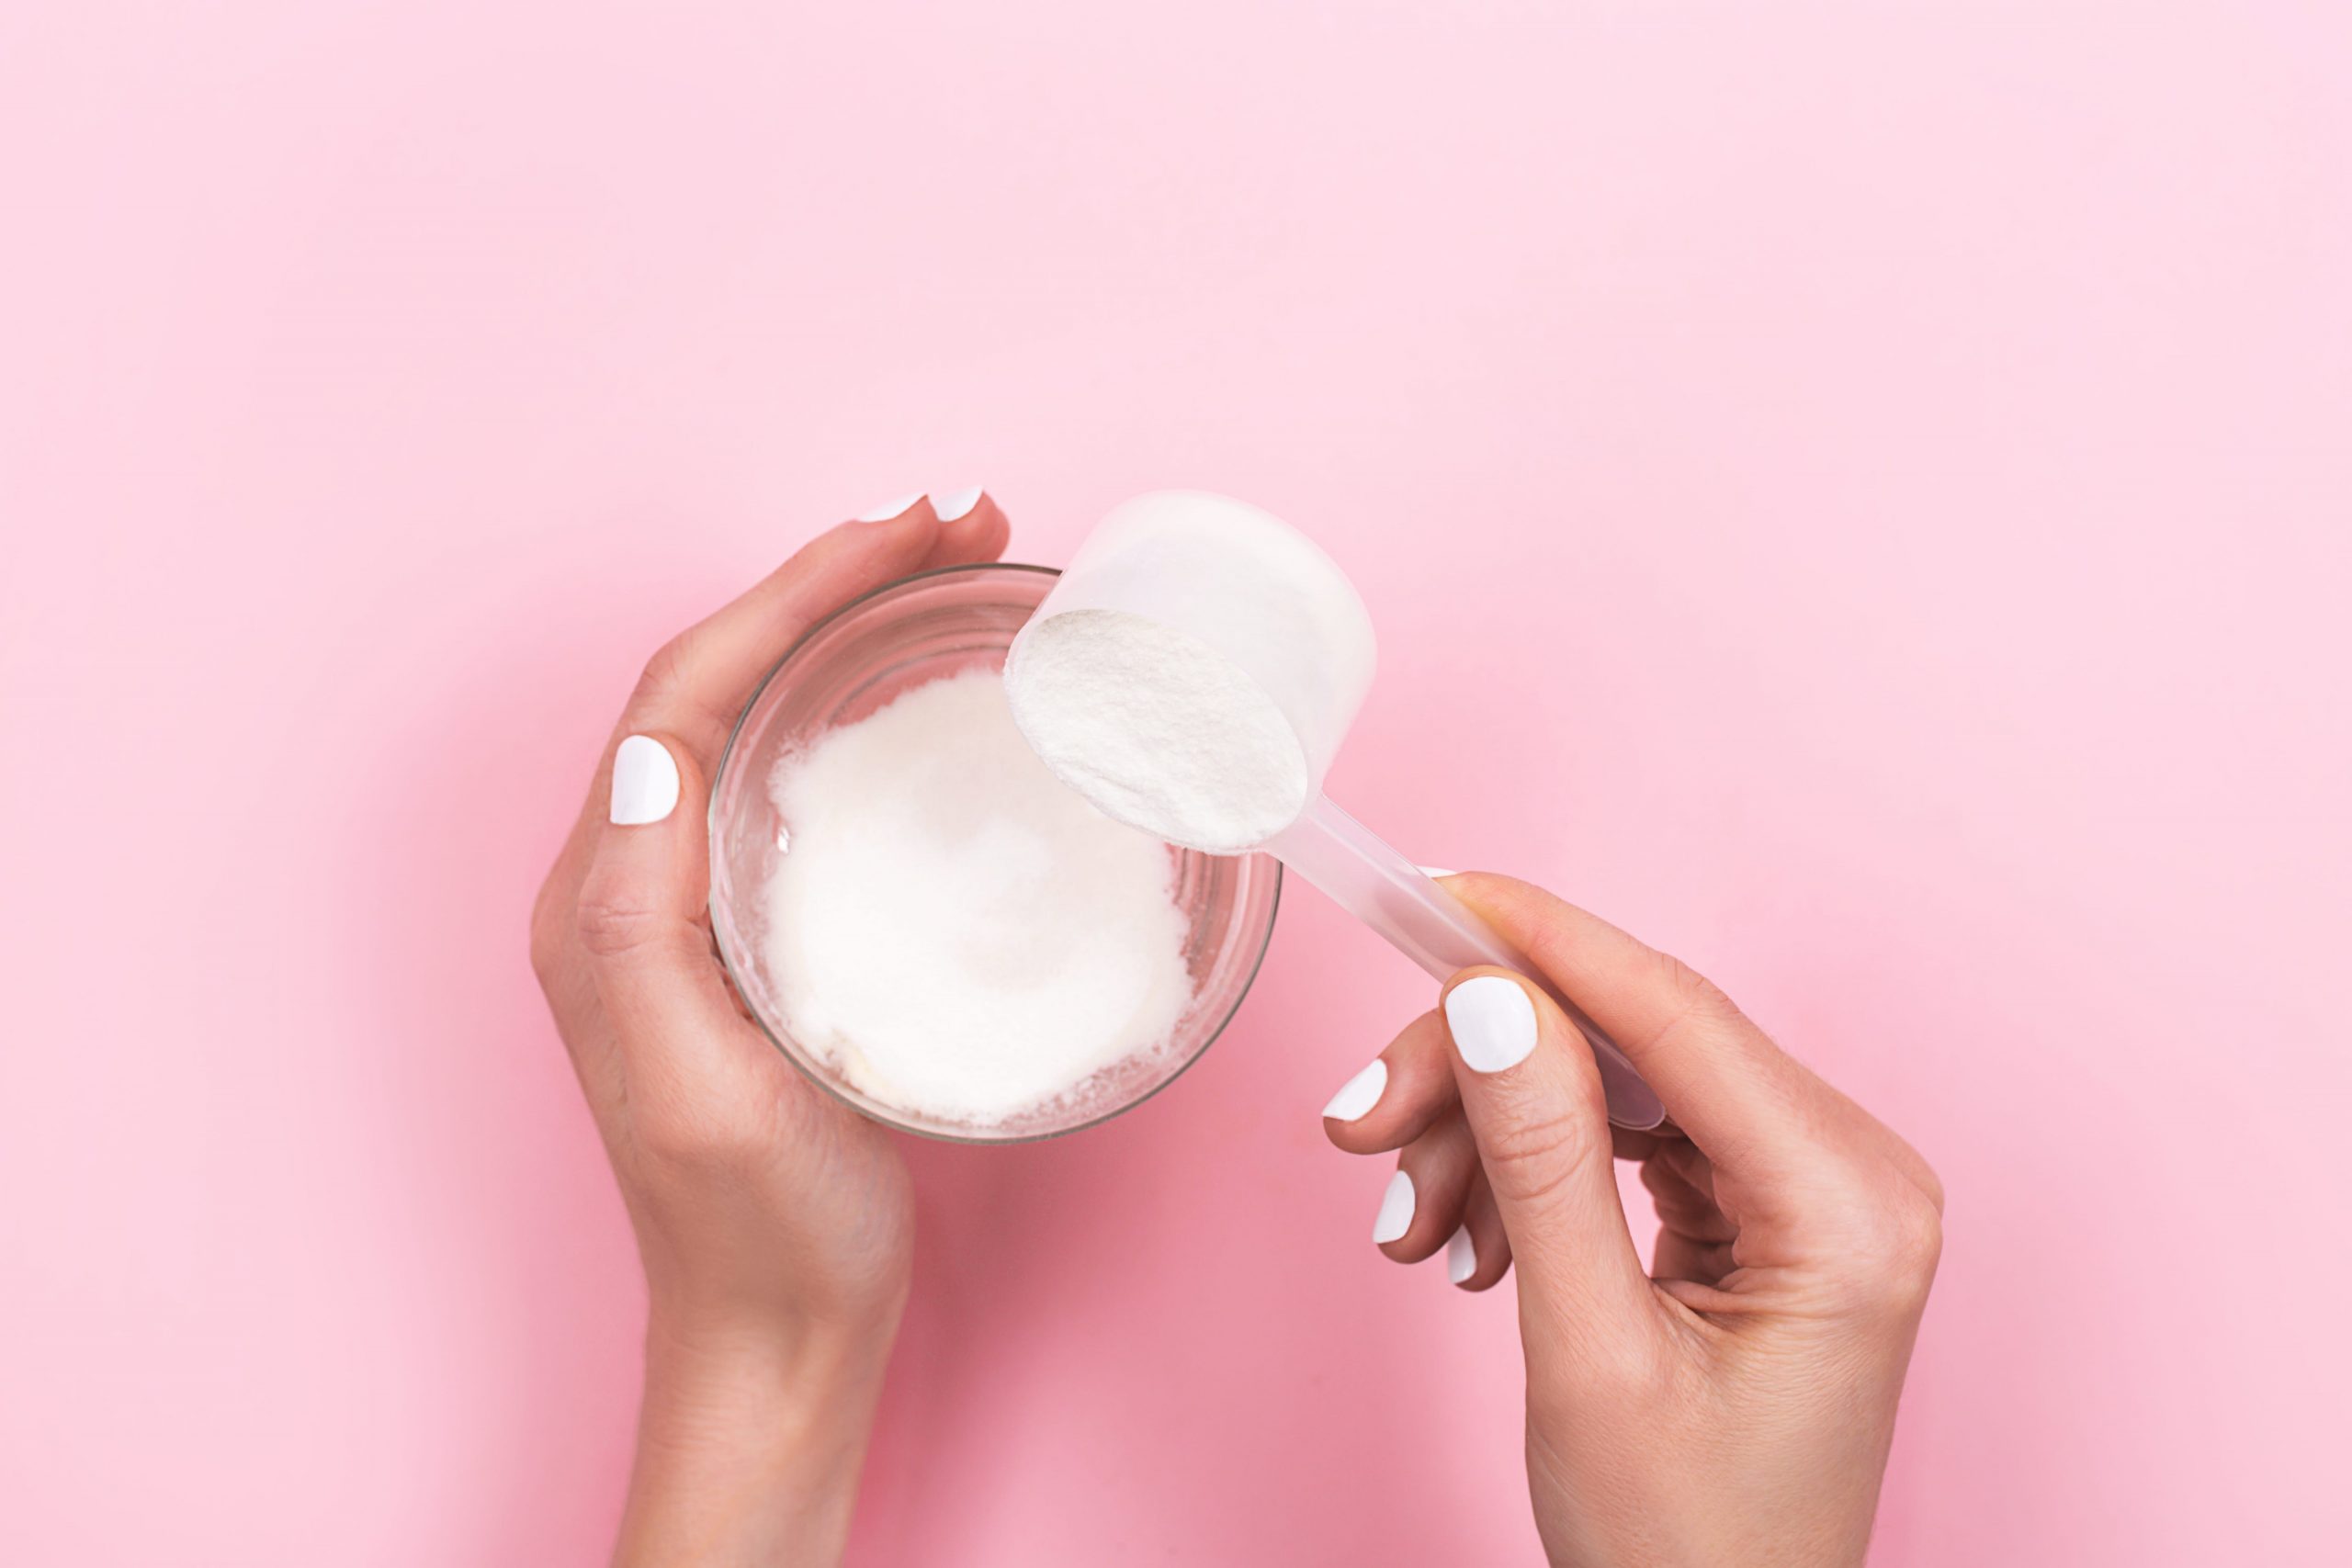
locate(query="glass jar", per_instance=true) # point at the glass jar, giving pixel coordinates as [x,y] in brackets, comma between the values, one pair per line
[916,630]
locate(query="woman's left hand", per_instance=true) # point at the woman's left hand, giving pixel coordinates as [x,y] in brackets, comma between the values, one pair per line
[774,1223]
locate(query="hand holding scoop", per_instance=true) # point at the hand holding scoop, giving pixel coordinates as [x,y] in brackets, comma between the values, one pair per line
[1192,674]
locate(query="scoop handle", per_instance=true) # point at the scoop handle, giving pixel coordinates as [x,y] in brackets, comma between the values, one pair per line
[1437,931]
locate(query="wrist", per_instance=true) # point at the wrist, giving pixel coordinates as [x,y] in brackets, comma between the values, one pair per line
[750,1438]
[762,1359]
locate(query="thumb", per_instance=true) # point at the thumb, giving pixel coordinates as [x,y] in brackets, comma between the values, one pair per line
[642,906]
[1533,1100]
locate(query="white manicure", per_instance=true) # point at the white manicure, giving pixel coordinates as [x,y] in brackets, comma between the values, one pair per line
[1396,1210]
[1492,1023]
[955,502]
[1359,1094]
[645,782]
[888,510]
[1437,871]
[1461,1257]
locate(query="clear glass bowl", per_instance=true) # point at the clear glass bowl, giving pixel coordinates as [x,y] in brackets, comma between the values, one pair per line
[916,630]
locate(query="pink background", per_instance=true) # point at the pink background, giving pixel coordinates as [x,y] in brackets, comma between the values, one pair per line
[1858,496]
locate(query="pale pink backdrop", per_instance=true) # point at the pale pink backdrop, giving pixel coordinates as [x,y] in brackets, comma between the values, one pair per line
[1856,493]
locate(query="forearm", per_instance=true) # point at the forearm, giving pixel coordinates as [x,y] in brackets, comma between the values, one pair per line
[749,1447]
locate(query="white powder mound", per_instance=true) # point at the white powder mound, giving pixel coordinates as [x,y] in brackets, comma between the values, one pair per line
[1157,730]
[951,926]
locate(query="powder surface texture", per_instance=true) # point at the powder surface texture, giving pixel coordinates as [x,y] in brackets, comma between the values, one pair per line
[952,927]
[1157,730]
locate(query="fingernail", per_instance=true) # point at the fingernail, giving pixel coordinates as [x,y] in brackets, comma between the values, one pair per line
[955,502]
[887,510]
[1396,1215]
[1492,1023]
[1359,1094]
[1461,1257]
[1435,870]
[645,782]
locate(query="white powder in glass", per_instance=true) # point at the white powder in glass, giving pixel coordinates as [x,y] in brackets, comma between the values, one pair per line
[1157,730]
[955,929]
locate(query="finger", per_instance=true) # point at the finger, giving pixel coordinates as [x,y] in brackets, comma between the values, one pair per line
[1628,1144]
[1683,1206]
[1533,1097]
[972,527]
[640,919]
[1433,1175]
[1695,1238]
[1724,1082]
[1397,1098]
[1478,1255]
[1679,1257]
[695,687]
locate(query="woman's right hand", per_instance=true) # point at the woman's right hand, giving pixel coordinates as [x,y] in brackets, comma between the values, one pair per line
[1735,1405]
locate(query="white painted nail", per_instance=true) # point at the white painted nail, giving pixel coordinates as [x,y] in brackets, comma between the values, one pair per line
[1437,871]
[1396,1215]
[1359,1094]
[955,502]
[1461,1256]
[887,510]
[1492,1023]
[645,782]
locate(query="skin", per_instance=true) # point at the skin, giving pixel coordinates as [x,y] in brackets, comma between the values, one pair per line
[1734,1404]
[1737,1406]
[775,1225]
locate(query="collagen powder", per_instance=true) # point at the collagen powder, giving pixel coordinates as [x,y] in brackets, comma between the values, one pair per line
[1158,730]
[955,929]
[1193,669]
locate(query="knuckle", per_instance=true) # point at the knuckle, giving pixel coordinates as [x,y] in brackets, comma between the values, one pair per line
[1530,1157]
[1700,997]
[663,672]
[1904,1245]
[671,691]
[1698,1003]
[613,919]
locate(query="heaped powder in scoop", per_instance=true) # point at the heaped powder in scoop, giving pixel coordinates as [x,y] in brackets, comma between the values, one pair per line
[1158,731]
[957,931]
[1193,669]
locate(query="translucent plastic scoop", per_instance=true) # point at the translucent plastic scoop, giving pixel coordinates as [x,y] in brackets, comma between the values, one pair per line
[1193,673]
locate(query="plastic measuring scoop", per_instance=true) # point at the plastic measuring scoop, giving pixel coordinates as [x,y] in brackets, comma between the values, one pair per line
[1277,653]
